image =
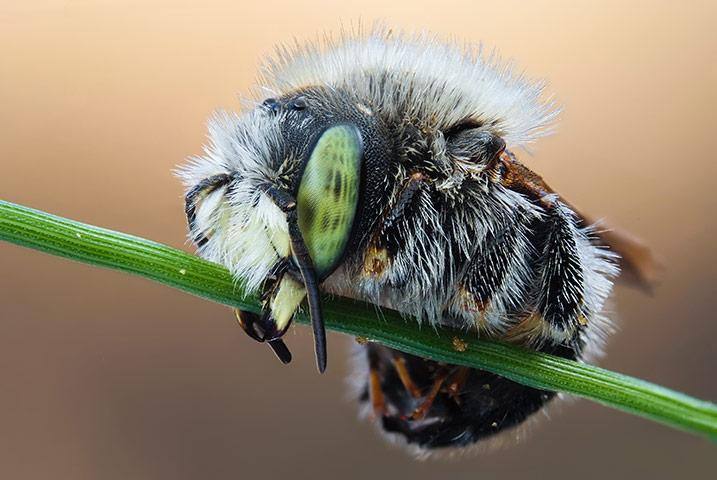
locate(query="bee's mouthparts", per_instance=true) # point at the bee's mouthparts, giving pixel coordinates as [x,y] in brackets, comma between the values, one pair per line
[288,293]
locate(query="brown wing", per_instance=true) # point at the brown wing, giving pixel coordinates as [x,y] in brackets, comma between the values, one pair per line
[639,267]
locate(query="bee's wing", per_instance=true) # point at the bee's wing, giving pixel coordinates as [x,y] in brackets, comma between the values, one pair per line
[638,265]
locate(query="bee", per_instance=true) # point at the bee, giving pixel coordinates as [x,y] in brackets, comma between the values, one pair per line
[383,167]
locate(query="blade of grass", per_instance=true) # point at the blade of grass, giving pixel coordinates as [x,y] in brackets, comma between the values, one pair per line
[97,246]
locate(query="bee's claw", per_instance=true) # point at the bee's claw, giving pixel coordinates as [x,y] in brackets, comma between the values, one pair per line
[280,350]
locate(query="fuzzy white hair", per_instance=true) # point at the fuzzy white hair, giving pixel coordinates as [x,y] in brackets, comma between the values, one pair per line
[436,78]
[248,231]
[420,81]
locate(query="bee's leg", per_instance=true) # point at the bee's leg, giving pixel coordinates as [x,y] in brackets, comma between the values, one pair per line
[387,238]
[489,404]
[457,382]
[560,299]
[420,412]
[559,312]
[638,266]
[195,195]
[528,282]
[405,197]
[378,402]
[280,350]
[250,323]
[399,363]
[281,199]
[497,279]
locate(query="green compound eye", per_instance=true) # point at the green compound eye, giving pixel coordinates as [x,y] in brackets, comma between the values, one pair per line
[328,196]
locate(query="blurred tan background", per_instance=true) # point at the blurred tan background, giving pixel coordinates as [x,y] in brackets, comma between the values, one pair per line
[109,376]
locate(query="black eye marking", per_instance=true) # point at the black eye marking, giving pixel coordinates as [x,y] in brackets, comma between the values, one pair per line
[299,103]
[272,104]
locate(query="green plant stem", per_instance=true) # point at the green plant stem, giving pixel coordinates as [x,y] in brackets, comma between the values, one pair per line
[97,246]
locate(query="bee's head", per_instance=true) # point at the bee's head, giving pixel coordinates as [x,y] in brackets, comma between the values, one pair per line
[283,194]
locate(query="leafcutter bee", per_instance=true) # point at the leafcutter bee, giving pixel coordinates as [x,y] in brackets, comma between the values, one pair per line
[384,167]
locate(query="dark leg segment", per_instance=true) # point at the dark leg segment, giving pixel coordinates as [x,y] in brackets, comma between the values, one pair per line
[559,270]
[251,324]
[191,200]
[399,363]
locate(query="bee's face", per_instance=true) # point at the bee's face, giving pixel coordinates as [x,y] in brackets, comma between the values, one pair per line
[306,196]
[335,164]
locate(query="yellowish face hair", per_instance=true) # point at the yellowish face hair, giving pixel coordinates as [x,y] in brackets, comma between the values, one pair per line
[286,301]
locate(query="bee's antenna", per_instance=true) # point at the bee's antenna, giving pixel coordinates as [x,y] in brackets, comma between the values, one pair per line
[287,204]
[306,267]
